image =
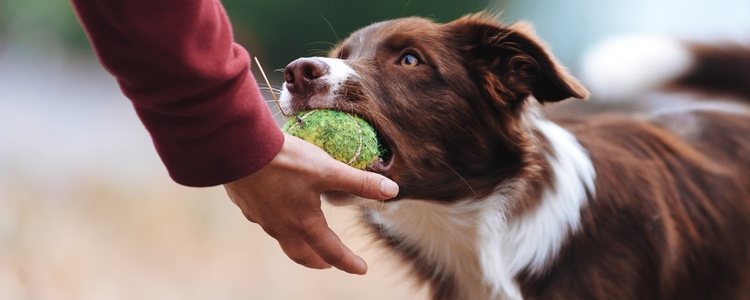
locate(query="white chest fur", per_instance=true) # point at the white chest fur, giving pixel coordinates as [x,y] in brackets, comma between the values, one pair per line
[477,244]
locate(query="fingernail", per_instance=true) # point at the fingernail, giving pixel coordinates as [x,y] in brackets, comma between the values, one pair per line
[388,188]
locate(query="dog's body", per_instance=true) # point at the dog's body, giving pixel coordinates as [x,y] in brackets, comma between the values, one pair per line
[499,201]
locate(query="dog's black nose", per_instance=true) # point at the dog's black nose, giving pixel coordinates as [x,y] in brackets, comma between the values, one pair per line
[301,73]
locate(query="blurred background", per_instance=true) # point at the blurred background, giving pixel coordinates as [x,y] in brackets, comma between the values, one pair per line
[88,212]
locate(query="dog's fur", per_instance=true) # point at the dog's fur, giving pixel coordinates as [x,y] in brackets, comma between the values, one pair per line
[501,201]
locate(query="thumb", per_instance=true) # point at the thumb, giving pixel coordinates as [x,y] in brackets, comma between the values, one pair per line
[361,183]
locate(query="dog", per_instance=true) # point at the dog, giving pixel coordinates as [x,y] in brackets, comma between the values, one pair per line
[501,200]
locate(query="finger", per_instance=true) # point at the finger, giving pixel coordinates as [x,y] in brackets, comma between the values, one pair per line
[361,183]
[329,247]
[298,251]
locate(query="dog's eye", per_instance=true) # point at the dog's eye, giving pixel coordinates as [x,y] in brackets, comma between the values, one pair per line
[409,60]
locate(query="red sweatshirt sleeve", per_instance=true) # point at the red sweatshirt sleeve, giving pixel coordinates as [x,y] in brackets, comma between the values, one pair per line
[189,83]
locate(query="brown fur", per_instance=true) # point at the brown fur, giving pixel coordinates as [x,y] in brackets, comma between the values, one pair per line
[723,70]
[670,218]
[431,152]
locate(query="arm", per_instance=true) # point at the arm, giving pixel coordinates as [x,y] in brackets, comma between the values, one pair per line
[190,85]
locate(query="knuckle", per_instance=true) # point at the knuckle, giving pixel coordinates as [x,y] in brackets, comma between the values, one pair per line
[329,172]
[309,226]
[323,177]
[272,231]
[301,259]
[333,257]
[249,217]
[365,183]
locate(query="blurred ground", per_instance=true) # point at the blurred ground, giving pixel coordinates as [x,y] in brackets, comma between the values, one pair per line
[88,212]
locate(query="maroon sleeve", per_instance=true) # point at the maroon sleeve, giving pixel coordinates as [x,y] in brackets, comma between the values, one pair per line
[189,83]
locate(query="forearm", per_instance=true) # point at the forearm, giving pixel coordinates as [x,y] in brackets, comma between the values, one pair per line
[189,84]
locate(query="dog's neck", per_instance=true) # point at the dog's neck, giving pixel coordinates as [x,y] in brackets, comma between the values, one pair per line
[474,249]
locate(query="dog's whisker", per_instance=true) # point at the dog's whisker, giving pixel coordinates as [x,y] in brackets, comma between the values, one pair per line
[331,27]
[403,9]
[318,52]
[458,175]
[321,42]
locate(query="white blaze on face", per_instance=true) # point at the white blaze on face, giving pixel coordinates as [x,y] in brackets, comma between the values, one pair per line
[338,73]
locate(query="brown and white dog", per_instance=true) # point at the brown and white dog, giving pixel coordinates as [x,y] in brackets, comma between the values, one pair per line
[500,201]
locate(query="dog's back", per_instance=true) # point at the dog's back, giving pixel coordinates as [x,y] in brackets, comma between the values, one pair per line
[700,93]
[671,215]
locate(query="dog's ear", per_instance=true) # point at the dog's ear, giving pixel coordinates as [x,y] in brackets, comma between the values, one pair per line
[512,61]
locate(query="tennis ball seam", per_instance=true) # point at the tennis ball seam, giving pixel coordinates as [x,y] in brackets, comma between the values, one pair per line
[359,145]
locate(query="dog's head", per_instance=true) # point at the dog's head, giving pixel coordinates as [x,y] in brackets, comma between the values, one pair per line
[448,100]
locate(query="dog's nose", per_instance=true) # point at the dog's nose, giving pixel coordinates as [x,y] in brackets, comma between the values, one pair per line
[301,73]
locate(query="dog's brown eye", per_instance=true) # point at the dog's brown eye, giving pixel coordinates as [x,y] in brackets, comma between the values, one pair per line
[409,60]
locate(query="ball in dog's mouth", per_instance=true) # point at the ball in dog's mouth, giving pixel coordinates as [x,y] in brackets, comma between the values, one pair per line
[344,136]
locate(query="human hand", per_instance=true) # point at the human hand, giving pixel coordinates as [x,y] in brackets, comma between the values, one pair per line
[284,199]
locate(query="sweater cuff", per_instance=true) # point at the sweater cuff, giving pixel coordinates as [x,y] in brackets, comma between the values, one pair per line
[230,142]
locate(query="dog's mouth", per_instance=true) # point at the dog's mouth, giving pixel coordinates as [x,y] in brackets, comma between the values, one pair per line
[387,154]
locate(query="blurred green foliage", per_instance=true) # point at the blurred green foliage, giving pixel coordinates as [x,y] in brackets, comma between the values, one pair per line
[277,31]
[280,31]
[38,24]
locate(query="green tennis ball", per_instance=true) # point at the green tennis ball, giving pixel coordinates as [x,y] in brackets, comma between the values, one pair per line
[344,136]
